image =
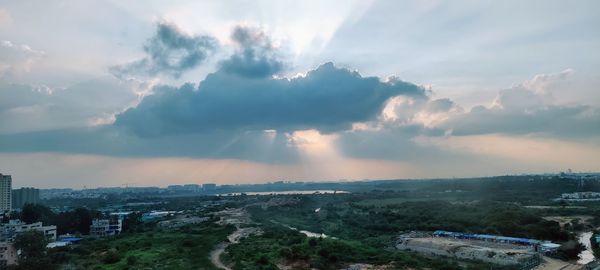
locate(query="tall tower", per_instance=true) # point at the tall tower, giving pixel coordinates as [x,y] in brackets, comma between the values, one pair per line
[5,193]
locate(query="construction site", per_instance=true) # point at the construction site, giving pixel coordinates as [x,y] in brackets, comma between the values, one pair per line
[507,253]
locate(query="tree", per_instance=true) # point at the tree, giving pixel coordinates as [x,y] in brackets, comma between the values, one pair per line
[570,250]
[32,247]
[75,221]
[31,213]
[132,222]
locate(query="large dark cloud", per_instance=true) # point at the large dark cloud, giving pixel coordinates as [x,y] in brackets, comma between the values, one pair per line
[170,52]
[327,98]
[255,55]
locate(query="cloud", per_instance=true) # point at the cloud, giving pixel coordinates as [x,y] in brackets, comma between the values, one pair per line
[557,121]
[38,107]
[16,59]
[240,111]
[390,143]
[169,52]
[111,141]
[328,99]
[256,55]
[529,108]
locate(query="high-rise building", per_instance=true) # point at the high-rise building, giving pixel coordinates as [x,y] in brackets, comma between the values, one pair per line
[5,193]
[24,196]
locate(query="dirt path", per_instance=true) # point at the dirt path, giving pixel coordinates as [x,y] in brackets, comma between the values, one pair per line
[236,217]
[554,264]
[215,256]
[234,238]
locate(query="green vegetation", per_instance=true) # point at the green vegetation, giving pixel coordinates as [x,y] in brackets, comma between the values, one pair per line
[32,245]
[187,248]
[346,219]
[280,245]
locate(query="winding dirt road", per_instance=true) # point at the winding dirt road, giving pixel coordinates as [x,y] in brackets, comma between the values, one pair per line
[234,238]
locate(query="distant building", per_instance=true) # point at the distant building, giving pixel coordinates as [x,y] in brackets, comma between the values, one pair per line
[191,187]
[209,187]
[55,193]
[580,196]
[14,227]
[105,227]
[5,193]
[121,215]
[24,196]
[175,187]
[8,255]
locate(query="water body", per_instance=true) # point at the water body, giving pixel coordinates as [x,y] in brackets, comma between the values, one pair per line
[287,192]
[585,256]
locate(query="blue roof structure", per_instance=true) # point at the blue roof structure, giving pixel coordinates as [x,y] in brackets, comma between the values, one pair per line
[71,239]
[524,241]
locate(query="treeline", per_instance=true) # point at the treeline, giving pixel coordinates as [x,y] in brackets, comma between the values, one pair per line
[77,221]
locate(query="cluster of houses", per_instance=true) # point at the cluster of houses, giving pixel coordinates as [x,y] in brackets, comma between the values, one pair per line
[99,228]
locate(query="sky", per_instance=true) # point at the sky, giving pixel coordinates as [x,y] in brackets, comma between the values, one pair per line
[140,93]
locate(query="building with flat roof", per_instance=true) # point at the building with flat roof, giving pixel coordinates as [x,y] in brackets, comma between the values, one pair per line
[14,227]
[104,227]
[24,196]
[5,193]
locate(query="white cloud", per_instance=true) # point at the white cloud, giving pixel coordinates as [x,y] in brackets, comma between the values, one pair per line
[16,59]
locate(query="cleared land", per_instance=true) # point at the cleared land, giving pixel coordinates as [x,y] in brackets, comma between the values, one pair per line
[497,253]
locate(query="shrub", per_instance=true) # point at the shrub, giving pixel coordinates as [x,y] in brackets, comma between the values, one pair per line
[131,260]
[111,257]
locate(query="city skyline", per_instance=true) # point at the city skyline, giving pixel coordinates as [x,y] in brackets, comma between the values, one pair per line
[155,93]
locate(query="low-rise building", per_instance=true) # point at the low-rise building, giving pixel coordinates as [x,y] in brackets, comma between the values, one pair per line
[154,215]
[64,241]
[14,227]
[105,227]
